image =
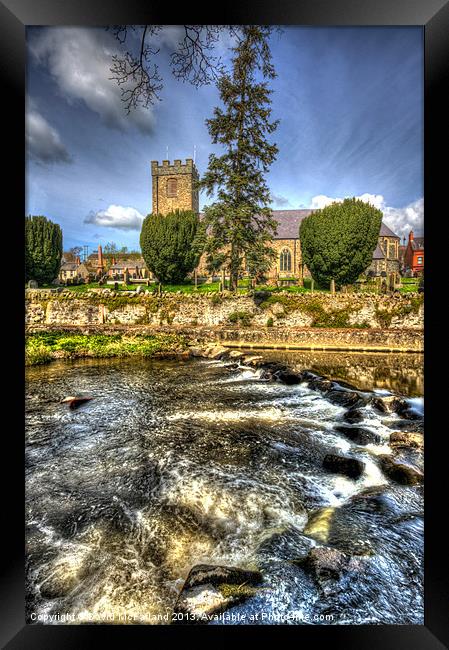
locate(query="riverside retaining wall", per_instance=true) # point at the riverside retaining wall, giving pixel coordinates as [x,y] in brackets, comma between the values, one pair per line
[291,321]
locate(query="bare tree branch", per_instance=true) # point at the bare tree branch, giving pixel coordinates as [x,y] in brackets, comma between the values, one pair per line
[193,60]
[135,72]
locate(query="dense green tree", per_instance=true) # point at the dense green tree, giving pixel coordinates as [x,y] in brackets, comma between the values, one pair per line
[240,223]
[43,249]
[172,244]
[338,241]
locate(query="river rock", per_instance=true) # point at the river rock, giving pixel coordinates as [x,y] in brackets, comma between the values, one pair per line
[391,404]
[76,401]
[287,377]
[406,439]
[197,352]
[217,353]
[328,565]
[398,472]
[252,360]
[289,544]
[350,467]
[411,426]
[318,383]
[359,435]
[210,589]
[353,416]
[235,354]
[347,398]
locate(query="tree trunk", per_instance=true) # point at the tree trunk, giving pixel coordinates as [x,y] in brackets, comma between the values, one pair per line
[234,269]
[195,275]
[312,285]
[223,279]
[332,286]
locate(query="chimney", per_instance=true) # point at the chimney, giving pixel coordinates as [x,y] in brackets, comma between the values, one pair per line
[77,260]
[100,257]
[410,235]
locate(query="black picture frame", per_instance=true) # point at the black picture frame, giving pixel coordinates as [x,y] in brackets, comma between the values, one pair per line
[433,15]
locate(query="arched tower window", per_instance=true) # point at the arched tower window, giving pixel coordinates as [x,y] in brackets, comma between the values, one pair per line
[285,260]
[172,187]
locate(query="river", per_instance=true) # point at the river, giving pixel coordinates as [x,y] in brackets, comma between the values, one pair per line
[177,463]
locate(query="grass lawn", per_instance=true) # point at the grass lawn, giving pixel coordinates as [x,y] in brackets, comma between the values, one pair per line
[408,285]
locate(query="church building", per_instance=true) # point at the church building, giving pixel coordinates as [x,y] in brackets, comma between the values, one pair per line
[173,187]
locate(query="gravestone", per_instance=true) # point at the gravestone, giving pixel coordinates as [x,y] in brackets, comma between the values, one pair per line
[140,289]
[32,284]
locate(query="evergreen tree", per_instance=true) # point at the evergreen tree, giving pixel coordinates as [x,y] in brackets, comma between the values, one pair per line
[338,242]
[43,249]
[172,244]
[240,223]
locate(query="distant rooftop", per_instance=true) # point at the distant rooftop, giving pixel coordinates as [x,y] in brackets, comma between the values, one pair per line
[418,244]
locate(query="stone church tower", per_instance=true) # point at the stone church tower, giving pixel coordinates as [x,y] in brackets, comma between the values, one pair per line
[173,186]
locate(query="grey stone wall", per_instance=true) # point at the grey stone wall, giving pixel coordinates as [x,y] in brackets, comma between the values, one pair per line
[281,311]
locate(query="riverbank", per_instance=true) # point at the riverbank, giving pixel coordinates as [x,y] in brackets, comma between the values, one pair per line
[126,338]
[44,347]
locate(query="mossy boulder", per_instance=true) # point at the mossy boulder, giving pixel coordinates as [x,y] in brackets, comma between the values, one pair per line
[210,590]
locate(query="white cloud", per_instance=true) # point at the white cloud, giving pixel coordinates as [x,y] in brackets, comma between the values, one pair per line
[79,60]
[116,216]
[43,142]
[279,201]
[400,220]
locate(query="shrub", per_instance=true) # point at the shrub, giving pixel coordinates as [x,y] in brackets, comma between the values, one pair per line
[241,317]
[338,241]
[172,244]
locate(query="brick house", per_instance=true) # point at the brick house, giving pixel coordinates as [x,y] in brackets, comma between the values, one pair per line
[414,255]
[135,268]
[73,272]
[173,187]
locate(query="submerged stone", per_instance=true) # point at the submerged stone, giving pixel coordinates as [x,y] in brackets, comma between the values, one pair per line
[289,544]
[350,467]
[329,565]
[346,398]
[359,435]
[398,472]
[353,416]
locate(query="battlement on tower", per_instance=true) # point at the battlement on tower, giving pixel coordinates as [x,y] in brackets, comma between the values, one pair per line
[168,169]
[174,186]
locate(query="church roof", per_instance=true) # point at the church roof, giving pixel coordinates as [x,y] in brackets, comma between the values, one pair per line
[378,253]
[385,231]
[290,220]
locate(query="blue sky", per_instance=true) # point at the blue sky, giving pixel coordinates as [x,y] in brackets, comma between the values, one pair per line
[349,101]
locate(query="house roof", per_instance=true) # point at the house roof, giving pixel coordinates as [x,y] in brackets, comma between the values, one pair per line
[418,244]
[129,264]
[69,266]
